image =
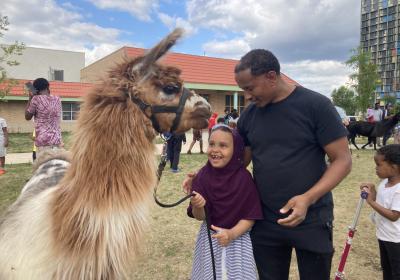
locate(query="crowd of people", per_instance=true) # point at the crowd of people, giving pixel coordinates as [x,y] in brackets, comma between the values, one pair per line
[257,219]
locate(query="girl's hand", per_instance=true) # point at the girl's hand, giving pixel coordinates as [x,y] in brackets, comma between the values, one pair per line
[198,200]
[187,182]
[370,189]
[223,235]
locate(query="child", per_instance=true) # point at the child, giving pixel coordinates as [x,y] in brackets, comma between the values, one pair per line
[386,203]
[197,136]
[226,189]
[3,144]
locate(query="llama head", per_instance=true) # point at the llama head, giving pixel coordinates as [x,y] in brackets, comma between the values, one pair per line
[158,90]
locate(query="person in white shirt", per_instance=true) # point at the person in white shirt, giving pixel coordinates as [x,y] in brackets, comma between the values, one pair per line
[386,203]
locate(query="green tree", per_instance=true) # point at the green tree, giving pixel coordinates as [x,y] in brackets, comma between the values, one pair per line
[365,79]
[6,57]
[346,98]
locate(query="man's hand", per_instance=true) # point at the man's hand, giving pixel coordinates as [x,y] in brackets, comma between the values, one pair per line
[197,200]
[223,236]
[299,206]
[187,182]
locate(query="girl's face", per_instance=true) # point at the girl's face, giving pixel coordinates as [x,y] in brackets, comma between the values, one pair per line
[220,148]
[383,168]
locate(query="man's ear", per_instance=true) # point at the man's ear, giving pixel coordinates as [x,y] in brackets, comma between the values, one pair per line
[271,75]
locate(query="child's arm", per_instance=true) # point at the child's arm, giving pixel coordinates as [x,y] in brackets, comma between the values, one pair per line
[389,214]
[198,202]
[226,236]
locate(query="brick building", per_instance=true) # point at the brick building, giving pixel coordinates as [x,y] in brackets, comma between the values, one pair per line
[211,77]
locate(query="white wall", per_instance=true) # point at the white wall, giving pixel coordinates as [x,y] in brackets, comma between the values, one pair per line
[37,62]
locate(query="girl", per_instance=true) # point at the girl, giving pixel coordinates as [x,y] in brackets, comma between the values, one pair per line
[226,189]
[386,203]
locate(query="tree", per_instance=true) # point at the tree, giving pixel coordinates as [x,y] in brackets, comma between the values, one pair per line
[345,98]
[365,79]
[6,58]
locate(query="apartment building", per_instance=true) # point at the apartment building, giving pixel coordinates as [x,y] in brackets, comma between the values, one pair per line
[380,21]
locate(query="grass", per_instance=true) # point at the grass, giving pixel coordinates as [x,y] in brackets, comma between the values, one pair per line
[168,248]
[23,143]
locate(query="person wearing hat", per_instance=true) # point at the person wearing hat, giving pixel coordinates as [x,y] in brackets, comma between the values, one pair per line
[46,110]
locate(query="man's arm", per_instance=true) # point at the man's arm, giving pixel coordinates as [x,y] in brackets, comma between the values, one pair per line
[340,165]
[28,115]
[247,156]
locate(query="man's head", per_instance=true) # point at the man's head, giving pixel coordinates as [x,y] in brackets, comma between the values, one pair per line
[377,105]
[41,84]
[257,73]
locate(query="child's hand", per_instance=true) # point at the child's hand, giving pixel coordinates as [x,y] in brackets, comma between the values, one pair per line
[223,236]
[187,183]
[198,200]
[370,189]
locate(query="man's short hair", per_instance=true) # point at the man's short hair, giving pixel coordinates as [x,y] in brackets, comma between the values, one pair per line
[40,84]
[259,61]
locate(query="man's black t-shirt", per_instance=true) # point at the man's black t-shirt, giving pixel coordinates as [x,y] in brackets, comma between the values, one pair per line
[287,139]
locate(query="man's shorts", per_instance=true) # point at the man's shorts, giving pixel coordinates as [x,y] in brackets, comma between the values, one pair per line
[3,150]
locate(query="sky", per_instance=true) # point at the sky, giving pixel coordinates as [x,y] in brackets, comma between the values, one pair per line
[311,38]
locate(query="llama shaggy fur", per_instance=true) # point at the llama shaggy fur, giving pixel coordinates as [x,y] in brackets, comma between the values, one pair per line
[84,217]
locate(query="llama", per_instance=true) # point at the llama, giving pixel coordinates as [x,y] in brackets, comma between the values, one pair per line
[84,217]
[371,130]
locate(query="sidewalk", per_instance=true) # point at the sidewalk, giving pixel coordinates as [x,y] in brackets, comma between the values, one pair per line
[16,158]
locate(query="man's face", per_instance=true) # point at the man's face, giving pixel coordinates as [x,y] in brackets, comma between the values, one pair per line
[261,89]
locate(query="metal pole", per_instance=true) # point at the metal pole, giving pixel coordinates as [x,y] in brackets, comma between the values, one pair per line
[352,230]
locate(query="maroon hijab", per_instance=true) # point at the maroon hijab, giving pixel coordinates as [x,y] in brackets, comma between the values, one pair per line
[230,192]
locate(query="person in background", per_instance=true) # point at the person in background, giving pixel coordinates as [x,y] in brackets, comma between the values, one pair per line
[386,203]
[225,188]
[174,150]
[221,120]
[3,144]
[377,117]
[197,136]
[227,116]
[46,109]
[211,122]
[387,113]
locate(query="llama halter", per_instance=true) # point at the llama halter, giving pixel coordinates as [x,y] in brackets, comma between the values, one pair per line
[156,109]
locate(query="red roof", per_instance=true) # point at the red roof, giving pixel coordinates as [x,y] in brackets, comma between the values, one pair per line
[62,89]
[200,69]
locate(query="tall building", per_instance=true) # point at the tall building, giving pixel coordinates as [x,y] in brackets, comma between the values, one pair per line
[380,34]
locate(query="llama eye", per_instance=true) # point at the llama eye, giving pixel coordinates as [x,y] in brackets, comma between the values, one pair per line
[171,89]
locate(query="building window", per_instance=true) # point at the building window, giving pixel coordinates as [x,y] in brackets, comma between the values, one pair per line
[206,97]
[229,103]
[70,111]
[56,75]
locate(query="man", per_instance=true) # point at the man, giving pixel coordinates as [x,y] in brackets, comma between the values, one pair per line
[46,109]
[288,130]
[386,114]
[377,116]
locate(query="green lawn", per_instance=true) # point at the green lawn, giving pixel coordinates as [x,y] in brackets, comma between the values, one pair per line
[168,248]
[23,143]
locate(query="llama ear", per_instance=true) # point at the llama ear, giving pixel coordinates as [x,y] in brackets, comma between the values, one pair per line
[158,51]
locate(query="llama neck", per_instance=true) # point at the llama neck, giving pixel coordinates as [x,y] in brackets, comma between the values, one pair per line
[101,204]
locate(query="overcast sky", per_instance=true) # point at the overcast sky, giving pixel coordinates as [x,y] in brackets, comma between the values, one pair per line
[311,38]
